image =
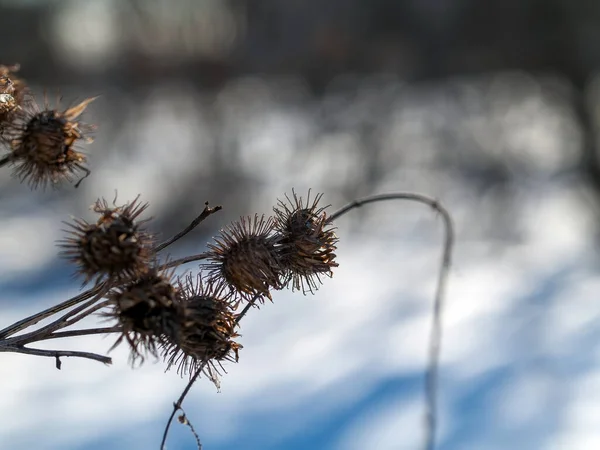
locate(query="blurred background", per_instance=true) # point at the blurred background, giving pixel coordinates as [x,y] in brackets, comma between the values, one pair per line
[490,107]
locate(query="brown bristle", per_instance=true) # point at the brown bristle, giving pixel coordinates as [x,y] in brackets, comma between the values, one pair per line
[116,246]
[307,242]
[13,93]
[43,146]
[207,332]
[11,84]
[148,313]
[244,257]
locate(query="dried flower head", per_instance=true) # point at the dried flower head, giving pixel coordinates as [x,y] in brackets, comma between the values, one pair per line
[11,84]
[13,92]
[307,241]
[207,331]
[244,257]
[43,145]
[147,311]
[116,246]
[8,106]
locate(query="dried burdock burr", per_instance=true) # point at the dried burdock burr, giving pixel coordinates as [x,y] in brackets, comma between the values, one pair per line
[244,257]
[307,241]
[116,246]
[207,330]
[8,108]
[13,92]
[43,145]
[11,84]
[148,313]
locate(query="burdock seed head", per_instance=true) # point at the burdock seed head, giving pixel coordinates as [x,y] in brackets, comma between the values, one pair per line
[11,84]
[116,246]
[307,241]
[207,330]
[244,257]
[43,145]
[13,92]
[147,311]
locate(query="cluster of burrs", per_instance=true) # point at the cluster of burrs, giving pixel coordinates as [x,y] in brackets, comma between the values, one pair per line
[192,321]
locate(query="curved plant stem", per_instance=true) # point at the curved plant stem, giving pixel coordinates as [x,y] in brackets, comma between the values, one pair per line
[435,337]
[431,374]
[177,404]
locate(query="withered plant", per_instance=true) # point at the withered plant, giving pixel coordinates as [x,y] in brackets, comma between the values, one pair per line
[191,323]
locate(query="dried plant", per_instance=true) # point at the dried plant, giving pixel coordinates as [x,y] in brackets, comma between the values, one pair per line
[307,242]
[245,258]
[191,323]
[147,313]
[207,329]
[116,246]
[43,144]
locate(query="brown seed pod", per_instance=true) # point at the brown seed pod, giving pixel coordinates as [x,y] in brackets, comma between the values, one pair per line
[307,242]
[244,257]
[43,145]
[13,95]
[207,330]
[8,106]
[11,84]
[148,312]
[116,246]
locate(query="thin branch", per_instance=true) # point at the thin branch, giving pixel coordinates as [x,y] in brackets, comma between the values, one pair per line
[431,376]
[184,420]
[32,320]
[178,403]
[6,159]
[435,338]
[56,353]
[208,211]
[249,305]
[86,313]
[63,321]
[84,332]
[185,260]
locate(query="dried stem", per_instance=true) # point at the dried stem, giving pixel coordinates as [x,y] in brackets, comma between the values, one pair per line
[184,420]
[55,353]
[5,160]
[185,260]
[63,321]
[435,338]
[208,211]
[178,403]
[32,320]
[249,305]
[84,332]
